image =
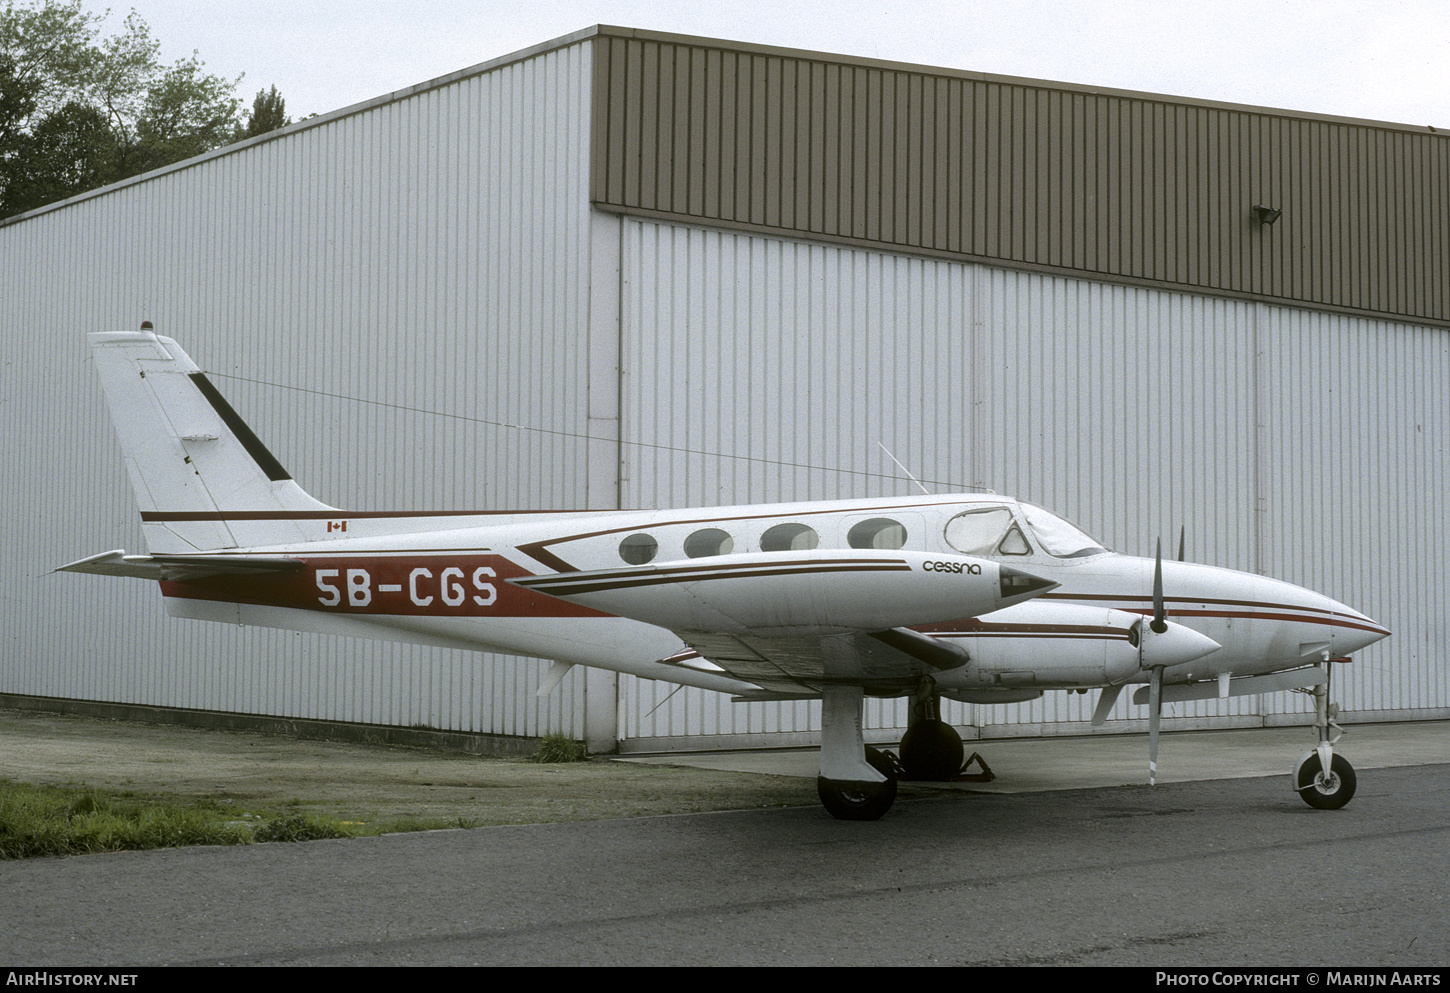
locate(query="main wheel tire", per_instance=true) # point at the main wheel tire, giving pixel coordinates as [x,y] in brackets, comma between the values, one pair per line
[861,801]
[883,762]
[931,751]
[1326,792]
[856,801]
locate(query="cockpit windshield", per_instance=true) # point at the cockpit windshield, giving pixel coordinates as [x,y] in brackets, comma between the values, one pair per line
[1057,537]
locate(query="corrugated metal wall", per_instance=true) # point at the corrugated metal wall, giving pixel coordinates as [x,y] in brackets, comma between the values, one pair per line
[377,292]
[412,300]
[1125,186]
[1309,447]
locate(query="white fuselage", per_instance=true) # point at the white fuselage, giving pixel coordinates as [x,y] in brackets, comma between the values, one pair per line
[444,579]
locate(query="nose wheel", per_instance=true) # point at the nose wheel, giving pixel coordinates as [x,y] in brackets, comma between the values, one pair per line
[1325,790]
[1322,779]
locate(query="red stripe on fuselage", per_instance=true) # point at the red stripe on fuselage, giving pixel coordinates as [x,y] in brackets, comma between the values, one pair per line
[419,585]
[1257,609]
[974,628]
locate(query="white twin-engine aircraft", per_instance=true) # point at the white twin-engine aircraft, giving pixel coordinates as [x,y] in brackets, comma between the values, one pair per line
[976,598]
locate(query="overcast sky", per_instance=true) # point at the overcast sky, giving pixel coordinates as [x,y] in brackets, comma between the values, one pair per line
[1385,60]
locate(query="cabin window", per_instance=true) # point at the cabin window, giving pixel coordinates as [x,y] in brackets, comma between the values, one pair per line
[878,532]
[638,549]
[709,541]
[789,538]
[1014,543]
[1058,537]
[977,532]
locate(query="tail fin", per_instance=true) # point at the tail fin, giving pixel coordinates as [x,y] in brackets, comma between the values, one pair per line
[203,480]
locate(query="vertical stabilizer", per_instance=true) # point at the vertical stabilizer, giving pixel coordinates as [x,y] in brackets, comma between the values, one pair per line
[201,476]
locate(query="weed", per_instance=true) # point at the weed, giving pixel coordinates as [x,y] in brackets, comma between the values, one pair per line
[301,827]
[38,821]
[559,747]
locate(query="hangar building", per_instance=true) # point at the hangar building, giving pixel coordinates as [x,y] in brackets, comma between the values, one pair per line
[631,269]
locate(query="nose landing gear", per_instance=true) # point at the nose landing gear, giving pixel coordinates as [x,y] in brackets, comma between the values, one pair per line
[1324,790]
[1323,779]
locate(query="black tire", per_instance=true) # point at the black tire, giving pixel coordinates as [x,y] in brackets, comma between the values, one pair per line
[1326,793]
[883,762]
[931,751]
[856,801]
[847,801]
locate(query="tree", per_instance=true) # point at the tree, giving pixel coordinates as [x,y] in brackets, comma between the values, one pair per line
[69,152]
[79,111]
[17,100]
[268,113]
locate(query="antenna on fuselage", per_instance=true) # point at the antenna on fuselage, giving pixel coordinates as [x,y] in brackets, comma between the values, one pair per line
[903,468]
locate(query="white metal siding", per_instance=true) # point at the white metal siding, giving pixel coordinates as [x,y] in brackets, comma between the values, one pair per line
[1309,447]
[396,299]
[414,307]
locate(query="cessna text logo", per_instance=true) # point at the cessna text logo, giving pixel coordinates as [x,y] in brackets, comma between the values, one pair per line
[970,568]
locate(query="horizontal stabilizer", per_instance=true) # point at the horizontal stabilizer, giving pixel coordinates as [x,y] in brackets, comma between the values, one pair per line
[1243,686]
[179,568]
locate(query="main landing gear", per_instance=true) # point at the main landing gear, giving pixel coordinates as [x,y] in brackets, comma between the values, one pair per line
[858,783]
[1323,779]
[931,749]
[860,801]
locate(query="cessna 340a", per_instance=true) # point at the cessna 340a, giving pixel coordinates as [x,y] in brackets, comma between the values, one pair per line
[976,598]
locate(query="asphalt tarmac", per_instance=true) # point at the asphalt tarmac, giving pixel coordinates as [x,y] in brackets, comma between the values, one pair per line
[1207,872]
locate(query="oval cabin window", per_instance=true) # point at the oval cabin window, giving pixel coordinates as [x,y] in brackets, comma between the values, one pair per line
[878,532]
[638,549]
[789,538]
[709,541]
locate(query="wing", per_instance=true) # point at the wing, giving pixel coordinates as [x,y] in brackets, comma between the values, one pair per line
[792,622]
[886,662]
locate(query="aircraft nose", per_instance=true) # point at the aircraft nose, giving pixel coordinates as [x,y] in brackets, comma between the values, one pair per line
[1351,631]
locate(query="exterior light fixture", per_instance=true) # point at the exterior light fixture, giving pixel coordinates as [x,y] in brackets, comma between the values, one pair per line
[1266,215]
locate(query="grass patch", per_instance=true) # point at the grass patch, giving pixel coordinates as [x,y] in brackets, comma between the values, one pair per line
[559,747]
[38,821]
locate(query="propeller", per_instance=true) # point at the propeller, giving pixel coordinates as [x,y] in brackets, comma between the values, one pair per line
[1159,625]
[1155,720]
[1160,612]
[1160,644]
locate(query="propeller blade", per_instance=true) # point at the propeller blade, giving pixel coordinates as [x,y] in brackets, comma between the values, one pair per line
[1182,531]
[1155,720]
[1160,612]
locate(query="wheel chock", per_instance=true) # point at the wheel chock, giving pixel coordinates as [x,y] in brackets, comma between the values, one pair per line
[985,776]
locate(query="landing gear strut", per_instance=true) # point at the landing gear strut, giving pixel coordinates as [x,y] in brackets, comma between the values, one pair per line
[856,783]
[931,750]
[1323,779]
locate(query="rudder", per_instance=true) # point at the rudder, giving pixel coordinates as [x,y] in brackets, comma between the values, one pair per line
[193,462]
